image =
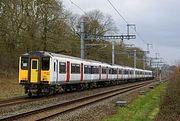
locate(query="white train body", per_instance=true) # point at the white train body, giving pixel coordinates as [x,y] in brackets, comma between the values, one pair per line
[56,69]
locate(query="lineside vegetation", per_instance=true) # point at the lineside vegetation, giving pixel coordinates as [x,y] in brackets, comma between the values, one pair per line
[10,88]
[170,102]
[143,108]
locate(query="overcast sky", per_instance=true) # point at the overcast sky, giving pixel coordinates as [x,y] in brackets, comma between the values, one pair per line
[157,21]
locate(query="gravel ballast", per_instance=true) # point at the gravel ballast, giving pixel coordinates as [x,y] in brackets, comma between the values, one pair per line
[93,112]
[99,110]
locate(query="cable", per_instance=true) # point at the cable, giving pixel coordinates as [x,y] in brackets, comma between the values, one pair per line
[117,11]
[78,7]
[125,20]
[140,37]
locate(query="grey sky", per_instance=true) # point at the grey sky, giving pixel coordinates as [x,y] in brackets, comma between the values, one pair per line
[157,21]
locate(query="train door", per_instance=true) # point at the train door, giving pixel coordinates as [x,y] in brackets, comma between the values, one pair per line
[100,71]
[107,71]
[68,72]
[55,71]
[117,72]
[81,72]
[34,71]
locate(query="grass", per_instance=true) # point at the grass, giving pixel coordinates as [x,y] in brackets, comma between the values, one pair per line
[170,102]
[143,108]
[10,88]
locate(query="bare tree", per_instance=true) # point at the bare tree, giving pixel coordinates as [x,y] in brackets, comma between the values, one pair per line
[96,23]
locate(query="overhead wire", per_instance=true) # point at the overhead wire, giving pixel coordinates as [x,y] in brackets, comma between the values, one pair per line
[141,38]
[117,11]
[78,7]
[125,20]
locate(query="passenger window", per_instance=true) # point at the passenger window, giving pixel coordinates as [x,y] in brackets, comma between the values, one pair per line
[110,71]
[95,70]
[120,71]
[92,69]
[77,68]
[62,67]
[89,68]
[115,71]
[73,68]
[86,69]
[34,64]
[104,71]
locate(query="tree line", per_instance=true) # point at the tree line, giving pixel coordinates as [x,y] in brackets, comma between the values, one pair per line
[33,25]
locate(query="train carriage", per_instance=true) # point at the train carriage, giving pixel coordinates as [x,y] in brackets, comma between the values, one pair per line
[45,73]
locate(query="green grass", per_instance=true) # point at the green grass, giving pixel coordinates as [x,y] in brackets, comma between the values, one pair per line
[143,108]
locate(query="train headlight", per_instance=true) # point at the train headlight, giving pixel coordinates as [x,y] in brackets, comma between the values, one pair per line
[44,78]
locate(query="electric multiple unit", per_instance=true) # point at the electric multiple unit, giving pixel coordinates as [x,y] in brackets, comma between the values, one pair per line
[44,73]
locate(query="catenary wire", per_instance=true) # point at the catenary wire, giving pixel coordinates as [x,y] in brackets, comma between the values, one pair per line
[78,7]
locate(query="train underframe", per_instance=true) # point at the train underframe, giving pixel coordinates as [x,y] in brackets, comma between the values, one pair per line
[47,89]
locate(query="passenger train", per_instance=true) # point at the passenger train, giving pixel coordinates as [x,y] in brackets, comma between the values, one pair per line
[43,73]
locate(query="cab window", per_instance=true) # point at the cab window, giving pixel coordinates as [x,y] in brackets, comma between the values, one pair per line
[45,63]
[24,63]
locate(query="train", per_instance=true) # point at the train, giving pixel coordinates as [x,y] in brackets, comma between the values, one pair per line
[47,73]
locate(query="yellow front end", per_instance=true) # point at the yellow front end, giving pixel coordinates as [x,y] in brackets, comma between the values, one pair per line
[34,73]
[45,76]
[23,70]
[45,70]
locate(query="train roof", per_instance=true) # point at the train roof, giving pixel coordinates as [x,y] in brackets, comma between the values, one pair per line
[44,53]
[50,54]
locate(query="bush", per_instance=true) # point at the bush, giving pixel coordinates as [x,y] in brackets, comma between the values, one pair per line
[170,102]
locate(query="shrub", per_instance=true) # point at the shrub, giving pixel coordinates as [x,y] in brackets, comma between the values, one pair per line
[170,102]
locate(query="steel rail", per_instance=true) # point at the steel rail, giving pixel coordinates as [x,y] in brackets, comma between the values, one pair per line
[51,111]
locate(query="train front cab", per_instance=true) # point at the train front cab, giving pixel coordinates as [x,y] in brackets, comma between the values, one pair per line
[23,70]
[34,74]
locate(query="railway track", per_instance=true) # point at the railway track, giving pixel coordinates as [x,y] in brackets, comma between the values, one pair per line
[23,100]
[18,100]
[13,101]
[54,110]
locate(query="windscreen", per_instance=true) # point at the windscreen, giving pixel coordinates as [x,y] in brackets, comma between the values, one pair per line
[24,63]
[45,63]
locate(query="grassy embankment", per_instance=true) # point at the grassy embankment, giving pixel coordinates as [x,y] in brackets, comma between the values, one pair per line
[9,86]
[170,102]
[143,108]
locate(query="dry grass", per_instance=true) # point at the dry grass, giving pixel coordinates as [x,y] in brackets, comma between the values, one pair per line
[9,86]
[170,103]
